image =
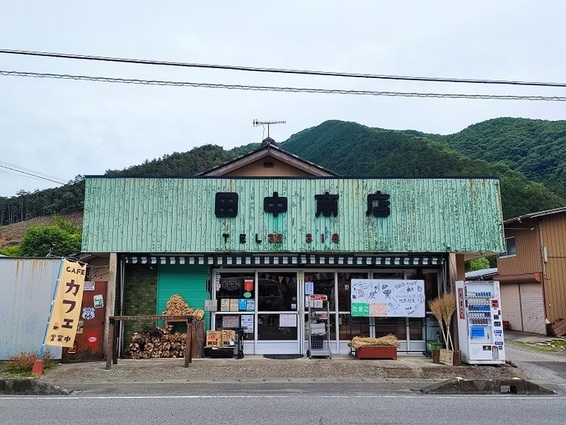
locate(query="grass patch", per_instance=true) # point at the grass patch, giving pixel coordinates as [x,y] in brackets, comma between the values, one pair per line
[551,346]
[20,366]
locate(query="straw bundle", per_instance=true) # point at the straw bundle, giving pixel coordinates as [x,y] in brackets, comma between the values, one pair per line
[384,341]
[436,309]
[443,308]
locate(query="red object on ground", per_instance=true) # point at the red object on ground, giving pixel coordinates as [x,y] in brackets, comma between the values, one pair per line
[37,368]
[376,353]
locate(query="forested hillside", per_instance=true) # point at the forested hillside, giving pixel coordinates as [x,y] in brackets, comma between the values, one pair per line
[537,148]
[352,149]
[70,197]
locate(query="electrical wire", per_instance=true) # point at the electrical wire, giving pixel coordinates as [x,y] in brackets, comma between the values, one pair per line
[29,173]
[281,89]
[282,70]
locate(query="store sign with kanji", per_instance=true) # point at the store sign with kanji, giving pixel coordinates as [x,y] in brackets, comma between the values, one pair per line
[226,206]
[66,310]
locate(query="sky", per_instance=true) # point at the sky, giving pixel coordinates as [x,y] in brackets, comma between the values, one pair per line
[65,128]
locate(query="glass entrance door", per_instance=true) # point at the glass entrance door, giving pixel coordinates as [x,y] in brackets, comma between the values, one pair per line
[277,313]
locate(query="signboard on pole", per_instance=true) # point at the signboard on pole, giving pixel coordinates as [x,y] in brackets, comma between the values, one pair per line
[66,309]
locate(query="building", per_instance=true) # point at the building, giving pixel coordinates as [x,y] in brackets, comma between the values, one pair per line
[532,270]
[259,234]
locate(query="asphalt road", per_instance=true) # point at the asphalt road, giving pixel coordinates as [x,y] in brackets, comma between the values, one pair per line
[314,407]
[391,401]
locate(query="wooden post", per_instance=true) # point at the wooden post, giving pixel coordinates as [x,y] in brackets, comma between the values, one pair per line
[114,346]
[192,339]
[199,339]
[109,343]
[456,270]
[110,305]
[188,343]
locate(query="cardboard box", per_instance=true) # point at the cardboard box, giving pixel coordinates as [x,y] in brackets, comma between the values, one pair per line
[228,338]
[213,338]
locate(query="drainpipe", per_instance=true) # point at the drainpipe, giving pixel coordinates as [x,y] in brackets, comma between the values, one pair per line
[543,260]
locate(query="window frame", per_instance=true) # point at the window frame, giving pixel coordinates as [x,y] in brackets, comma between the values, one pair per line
[507,252]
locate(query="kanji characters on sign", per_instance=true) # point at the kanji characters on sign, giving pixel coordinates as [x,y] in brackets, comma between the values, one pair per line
[66,306]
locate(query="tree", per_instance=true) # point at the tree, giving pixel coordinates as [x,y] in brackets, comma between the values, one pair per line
[59,240]
[477,264]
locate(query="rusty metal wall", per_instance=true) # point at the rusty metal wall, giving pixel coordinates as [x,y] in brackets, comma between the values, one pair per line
[27,289]
[173,215]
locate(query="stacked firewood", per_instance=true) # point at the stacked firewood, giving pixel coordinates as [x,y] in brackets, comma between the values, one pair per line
[177,306]
[156,342]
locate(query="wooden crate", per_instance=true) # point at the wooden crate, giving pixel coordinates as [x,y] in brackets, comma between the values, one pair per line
[447,357]
[559,327]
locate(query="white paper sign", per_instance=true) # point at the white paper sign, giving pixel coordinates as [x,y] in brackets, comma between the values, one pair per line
[247,323]
[288,320]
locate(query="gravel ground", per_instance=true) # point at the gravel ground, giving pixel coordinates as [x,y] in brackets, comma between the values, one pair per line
[257,368]
[538,365]
[531,364]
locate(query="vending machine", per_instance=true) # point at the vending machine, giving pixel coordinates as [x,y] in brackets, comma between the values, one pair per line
[480,322]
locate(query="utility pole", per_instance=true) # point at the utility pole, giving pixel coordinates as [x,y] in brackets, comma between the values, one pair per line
[268,123]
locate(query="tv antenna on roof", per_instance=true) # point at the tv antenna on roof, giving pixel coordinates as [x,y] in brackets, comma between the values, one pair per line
[268,123]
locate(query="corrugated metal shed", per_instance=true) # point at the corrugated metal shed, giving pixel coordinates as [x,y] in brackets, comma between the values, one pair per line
[27,290]
[176,215]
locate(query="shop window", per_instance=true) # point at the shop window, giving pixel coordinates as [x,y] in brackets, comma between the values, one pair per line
[390,325]
[276,327]
[220,323]
[277,291]
[323,283]
[353,326]
[344,294]
[416,329]
[431,287]
[235,292]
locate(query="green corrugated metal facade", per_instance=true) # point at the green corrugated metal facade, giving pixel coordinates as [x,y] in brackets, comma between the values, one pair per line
[177,215]
[188,281]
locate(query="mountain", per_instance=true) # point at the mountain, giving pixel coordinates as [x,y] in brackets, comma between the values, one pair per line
[351,149]
[491,148]
[536,148]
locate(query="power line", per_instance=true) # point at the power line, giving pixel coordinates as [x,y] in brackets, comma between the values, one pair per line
[29,173]
[282,89]
[282,70]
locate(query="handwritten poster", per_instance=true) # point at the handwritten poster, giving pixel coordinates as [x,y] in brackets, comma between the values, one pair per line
[388,298]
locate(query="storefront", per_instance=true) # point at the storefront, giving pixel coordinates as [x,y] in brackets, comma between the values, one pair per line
[250,250]
[274,308]
[268,300]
